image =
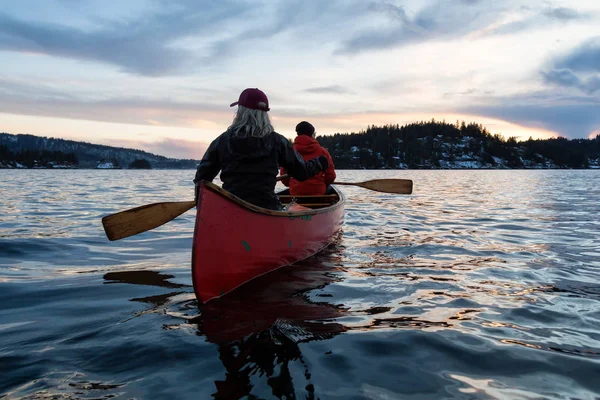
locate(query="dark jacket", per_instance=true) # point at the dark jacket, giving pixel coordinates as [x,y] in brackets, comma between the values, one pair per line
[309,148]
[249,166]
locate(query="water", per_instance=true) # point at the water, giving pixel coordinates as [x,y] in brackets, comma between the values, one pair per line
[482,284]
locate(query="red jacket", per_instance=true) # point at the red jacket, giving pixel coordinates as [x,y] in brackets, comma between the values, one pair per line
[309,148]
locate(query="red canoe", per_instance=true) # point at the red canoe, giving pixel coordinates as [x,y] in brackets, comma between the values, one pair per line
[235,241]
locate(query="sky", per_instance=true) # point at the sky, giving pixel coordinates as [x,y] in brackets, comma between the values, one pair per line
[159,75]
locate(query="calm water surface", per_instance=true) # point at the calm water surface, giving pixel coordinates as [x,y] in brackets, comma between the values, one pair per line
[482,284]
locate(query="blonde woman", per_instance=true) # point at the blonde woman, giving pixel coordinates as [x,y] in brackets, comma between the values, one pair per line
[250,152]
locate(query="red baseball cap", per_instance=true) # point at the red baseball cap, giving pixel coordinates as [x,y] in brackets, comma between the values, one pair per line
[254,99]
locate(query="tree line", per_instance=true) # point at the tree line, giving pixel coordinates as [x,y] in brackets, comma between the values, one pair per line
[33,158]
[435,144]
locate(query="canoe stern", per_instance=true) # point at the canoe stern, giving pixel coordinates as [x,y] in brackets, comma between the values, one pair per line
[234,243]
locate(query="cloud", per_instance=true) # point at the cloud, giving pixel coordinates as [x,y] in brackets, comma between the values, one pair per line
[147,45]
[592,85]
[561,77]
[530,18]
[568,79]
[467,92]
[584,58]
[403,30]
[577,69]
[563,14]
[329,89]
[18,88]
[40,99]
[442,20]
[399,14]
[162,112]
[168,147]
[167,38]
[572,117]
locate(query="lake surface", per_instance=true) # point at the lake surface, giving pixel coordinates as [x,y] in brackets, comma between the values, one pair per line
[482,284]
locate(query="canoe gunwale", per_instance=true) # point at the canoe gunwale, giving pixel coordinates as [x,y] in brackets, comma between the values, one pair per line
[251,207]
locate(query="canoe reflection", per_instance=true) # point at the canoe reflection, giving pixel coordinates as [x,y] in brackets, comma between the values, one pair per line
[275,299]
[258,326]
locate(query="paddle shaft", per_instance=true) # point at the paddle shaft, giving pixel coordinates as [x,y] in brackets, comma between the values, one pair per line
[396,186]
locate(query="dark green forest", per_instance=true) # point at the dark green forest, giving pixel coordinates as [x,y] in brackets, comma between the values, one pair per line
[437,144]
[140,164]
[38,158]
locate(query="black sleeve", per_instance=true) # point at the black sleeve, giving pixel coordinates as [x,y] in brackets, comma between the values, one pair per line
[293,162]
[210,165]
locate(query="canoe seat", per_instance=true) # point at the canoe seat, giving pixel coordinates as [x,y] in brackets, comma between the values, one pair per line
[314,205]
[297,207]
[320,199]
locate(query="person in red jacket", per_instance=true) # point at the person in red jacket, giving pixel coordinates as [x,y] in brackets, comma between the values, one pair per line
[306,144]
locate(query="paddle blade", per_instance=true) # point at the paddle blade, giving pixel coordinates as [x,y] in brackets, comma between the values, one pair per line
[141,219]
[397,186]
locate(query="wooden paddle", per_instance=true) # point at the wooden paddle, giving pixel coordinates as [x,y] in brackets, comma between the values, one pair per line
[397,186]
[141,219]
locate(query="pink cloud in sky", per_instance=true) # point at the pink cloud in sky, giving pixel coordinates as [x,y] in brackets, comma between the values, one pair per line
[175,148]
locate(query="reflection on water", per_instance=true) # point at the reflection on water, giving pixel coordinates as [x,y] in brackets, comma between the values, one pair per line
[482,284]
[259,326]
[151,278]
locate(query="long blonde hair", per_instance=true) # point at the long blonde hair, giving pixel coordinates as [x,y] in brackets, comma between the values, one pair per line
[248,122]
